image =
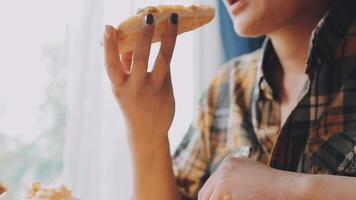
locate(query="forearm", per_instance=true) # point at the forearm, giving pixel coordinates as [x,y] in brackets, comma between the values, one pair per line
[323,187]
[153,171]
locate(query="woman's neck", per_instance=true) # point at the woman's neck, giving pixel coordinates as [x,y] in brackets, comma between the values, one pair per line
[291,42]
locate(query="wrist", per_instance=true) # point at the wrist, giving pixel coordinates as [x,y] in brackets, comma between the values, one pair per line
[148,147]
[146,134]
[144,139]
[296,186]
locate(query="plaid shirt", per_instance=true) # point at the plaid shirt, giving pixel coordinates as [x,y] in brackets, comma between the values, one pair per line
[240,113]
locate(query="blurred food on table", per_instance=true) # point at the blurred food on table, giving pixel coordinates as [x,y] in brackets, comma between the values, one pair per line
[2,189]
[37,192]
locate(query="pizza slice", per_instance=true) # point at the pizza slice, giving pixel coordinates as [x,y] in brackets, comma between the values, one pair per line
[190,18]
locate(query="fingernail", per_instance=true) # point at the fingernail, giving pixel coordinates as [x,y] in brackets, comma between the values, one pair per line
[174,18]
[108,31]
[149,18]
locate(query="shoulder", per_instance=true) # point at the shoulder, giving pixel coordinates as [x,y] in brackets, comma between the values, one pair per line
[347,46]
[237,76]
[241,65]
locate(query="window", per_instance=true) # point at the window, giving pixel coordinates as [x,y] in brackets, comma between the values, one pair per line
[34,84]
[182,63]
[32,87]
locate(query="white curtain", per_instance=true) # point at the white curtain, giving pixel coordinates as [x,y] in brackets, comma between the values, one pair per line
[97,163]
[208,53]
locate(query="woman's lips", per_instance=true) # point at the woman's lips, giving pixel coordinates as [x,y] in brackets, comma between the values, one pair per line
[231,1]
[236,6]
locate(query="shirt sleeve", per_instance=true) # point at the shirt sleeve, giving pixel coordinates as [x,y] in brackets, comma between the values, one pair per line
[191,161]
[212,136]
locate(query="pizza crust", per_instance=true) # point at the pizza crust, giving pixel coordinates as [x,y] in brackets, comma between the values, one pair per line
[190,18]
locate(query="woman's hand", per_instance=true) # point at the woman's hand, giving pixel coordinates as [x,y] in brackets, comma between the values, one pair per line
[146,98]
[241,178]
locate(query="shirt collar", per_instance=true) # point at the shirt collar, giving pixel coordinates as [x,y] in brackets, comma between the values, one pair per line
[323,44]
[269,60]
[328,34]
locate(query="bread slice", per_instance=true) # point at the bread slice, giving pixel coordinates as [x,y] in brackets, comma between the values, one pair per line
[190,18]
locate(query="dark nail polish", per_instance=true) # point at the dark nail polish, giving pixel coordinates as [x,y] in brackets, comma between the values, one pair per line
[149,18]
[174,18]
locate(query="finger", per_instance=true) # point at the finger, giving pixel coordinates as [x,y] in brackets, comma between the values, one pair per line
[126,60]
[168,80]
[143,47]
[163,60]
[112,61]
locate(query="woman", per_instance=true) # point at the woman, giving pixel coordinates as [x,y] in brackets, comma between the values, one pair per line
[289,107]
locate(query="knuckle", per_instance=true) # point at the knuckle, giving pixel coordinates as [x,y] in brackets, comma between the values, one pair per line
[126,58]
[228,164]
[117,93]
[223,175]
[140,62]
[165,56]
[229,160]
[147,33]
[170,39]
[169,36]
[226,196]
[135,92]
[220,193]
[172,30]
[109,44]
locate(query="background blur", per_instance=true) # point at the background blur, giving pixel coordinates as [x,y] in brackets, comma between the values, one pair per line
[59,122]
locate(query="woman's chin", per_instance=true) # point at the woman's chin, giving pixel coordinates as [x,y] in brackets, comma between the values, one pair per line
[247,31]
[247,26]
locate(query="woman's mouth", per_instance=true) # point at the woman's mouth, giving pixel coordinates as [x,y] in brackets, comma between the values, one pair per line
[231,1]
[236,6]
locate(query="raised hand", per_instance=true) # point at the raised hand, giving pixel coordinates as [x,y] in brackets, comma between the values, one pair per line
[146,98]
